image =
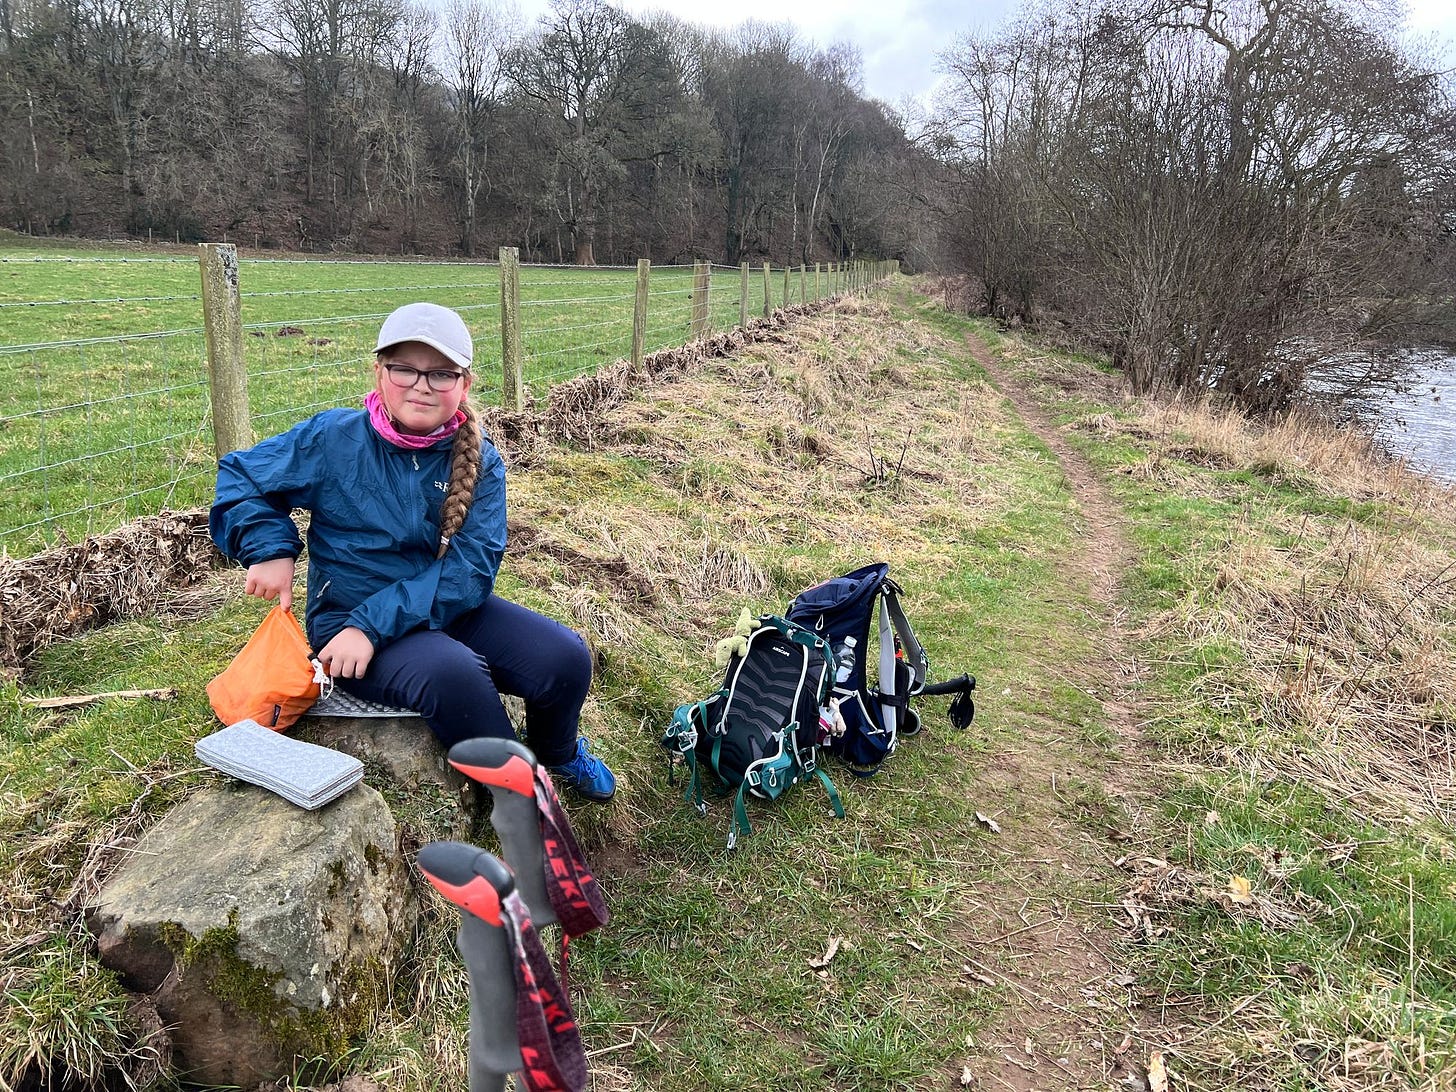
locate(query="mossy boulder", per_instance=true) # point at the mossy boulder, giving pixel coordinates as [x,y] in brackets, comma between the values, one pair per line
[265,933]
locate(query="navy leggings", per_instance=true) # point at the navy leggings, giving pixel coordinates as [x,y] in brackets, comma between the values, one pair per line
[454,677]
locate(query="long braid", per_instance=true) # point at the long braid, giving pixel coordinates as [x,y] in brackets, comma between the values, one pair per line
[464,474]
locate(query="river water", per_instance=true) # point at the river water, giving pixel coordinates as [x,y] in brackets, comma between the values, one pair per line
[1418,421]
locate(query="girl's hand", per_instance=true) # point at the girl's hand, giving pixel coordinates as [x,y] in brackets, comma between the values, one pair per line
[348,654]
[272,580]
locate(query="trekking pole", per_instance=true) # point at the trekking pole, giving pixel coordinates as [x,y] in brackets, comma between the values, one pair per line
[508,769]
[476,882]
[963,707]
[552,876]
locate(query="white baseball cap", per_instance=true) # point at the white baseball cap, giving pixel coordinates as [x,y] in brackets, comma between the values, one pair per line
[432,324]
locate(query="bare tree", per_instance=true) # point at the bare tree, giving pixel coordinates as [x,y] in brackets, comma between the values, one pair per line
[594,74]
[753,84]
[1227,198]
[479,39]
[331,47]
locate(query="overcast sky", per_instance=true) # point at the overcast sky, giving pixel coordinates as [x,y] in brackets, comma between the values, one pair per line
[899,39]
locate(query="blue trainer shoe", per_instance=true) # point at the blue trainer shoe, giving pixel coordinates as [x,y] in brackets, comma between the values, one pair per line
[586,774]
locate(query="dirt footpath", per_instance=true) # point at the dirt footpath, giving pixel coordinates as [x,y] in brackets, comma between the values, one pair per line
[1070,1021]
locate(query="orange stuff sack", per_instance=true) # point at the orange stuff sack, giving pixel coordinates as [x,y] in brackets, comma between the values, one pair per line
[271,680]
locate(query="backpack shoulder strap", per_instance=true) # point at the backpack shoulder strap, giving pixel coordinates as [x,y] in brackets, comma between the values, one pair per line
[915,657]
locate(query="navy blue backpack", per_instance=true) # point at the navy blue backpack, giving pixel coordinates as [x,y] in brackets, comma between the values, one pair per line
[880,665]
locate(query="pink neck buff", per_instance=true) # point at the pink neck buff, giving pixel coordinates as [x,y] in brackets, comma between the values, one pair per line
[384,425]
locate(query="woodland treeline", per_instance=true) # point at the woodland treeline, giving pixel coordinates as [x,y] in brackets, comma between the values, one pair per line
[450,128]
[1242,195]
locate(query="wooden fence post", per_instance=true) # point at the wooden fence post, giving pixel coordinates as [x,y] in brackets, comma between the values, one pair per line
[816,282]
[767,302]
[743,295]
[702,271]
[222,320]
[803,285]
[639,312]
[786,286]
[513,388]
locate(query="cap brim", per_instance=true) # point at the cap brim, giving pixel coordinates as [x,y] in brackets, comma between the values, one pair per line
[425,339]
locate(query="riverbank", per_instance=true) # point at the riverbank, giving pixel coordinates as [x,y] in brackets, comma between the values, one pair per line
[1291,599]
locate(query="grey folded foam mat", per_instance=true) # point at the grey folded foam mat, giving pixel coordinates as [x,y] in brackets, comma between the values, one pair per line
[302,773]
[338,702]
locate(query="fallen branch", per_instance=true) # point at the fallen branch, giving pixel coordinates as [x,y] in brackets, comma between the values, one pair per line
[165,693]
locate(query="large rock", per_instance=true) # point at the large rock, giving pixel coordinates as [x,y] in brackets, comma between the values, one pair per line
[406,752]
[265,933]
[402,747]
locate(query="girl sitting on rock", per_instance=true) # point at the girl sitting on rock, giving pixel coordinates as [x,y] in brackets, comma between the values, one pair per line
[407,527]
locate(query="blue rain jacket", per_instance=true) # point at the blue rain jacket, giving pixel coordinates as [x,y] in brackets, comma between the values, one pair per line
[374,528]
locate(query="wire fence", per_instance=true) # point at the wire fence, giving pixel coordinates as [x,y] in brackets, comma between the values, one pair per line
[105,410]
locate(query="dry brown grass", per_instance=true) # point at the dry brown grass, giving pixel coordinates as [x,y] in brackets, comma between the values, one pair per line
[1301,447]
[69,589]
[741,453]
[1368,663]
[1159,889]
[1345,622]
[1347,633]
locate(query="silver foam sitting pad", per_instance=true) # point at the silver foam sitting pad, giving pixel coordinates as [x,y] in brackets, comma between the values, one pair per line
[338,702]
[302,773]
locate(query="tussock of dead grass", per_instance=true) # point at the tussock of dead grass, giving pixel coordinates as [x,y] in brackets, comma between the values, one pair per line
[599,616]
[1300,447]
[1160,888]
[719,568]
[1348,641]
[125,574]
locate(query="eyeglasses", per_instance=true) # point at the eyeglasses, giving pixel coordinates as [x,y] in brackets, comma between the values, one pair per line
[441,379]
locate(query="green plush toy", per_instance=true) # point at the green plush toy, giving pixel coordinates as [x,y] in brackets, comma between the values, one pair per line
[738,643]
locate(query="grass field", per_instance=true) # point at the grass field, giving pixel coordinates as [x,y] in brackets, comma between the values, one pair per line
[1199,836]
[103,360]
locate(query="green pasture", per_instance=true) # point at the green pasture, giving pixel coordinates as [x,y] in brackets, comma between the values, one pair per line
[104,402]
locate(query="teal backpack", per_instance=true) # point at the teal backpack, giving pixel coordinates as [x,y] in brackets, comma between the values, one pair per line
[763,730]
